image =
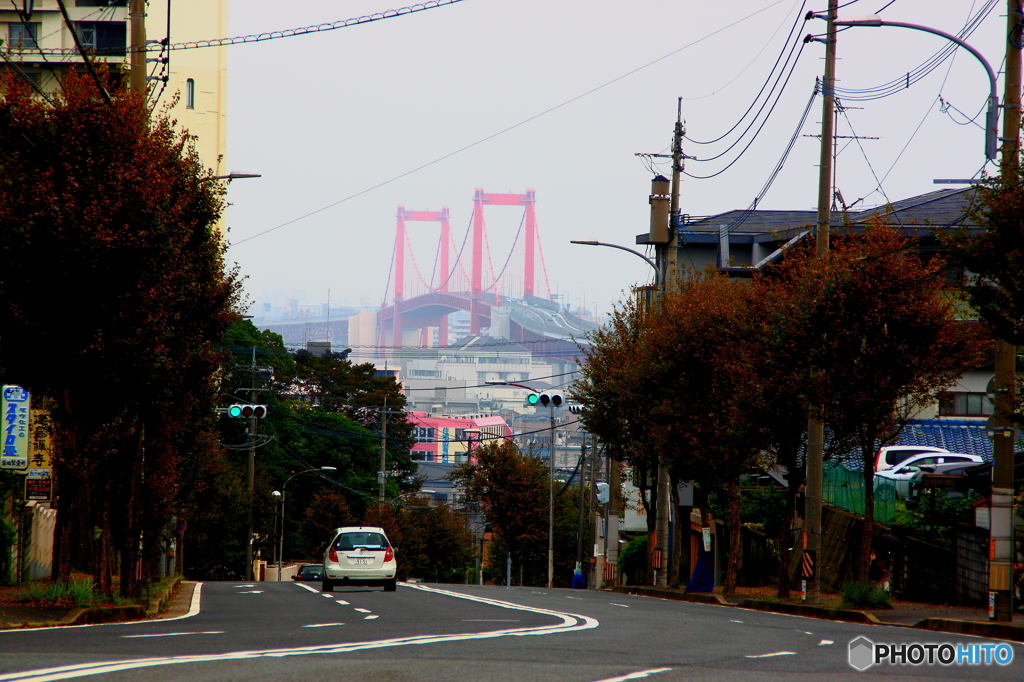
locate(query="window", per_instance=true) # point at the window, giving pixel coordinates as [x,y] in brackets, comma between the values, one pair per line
[423,434]
[104,37]
[965,405]
[190,94]
[23,35]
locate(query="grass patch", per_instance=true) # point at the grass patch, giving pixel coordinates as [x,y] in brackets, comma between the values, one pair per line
[75,592]
[864,594]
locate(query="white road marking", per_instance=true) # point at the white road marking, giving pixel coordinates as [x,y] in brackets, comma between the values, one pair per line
[580,598]
[251,592]
[174,634]
[636,676]
[825,642]
[622,605]
[806,632]
[570,622]
[307,587]
[777,653]
[735,621]
[363,610]
[342,602]
[370,617]
[329,596]
[253,585]
[322,625]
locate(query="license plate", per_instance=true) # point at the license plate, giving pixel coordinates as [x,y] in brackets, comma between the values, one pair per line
[362,561]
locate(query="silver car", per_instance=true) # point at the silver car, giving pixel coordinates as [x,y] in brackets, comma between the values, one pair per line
[359,555]
[896,481]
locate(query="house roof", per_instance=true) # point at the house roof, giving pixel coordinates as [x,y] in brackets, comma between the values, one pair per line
[944,207]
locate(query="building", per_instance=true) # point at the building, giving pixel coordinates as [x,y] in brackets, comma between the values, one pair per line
[38,43]
[447,439]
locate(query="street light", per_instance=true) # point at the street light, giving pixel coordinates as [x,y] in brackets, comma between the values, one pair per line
[992,116]
[277,513]
[284,493]
[235,175]
[594,242]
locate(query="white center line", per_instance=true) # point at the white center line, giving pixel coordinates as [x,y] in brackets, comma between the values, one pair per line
[580,598]
[364,610]
[174,634]
[735,621]
[371,617]
[825,642]
[342,602]
[322,625]
[777,653]
[622,605]
[329,596]
[251,592]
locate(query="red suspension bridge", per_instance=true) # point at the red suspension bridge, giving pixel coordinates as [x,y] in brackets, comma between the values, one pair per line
[421,303]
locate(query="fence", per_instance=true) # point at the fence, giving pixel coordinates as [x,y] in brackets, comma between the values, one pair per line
[844,488]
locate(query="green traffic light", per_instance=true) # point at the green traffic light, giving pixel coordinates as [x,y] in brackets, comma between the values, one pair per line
[235,411]
[532,398]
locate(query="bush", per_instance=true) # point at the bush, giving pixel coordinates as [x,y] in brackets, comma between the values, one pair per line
[75,592]
[864,594]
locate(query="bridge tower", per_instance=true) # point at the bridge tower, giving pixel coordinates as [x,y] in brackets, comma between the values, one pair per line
[402,216]
[481,199]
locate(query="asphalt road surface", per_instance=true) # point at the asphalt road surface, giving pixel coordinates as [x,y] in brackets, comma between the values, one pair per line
[291,631]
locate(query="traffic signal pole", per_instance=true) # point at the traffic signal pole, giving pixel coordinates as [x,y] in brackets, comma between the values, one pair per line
[250,471]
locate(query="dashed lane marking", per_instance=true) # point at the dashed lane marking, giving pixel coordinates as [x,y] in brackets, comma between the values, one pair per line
[341,601]
[622,605]
[639,675]
[371,617]
[363,610]
[322,625]
[825,642]
[174,634]
[775,653]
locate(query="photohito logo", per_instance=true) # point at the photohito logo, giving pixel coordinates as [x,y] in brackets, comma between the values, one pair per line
[864,653]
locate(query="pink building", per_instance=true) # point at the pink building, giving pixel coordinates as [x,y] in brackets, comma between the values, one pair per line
[443,438]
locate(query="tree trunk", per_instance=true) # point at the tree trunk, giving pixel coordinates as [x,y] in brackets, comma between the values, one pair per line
[786,540]
[734,538]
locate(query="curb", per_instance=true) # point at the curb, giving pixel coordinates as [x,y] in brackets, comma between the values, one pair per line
[1006,631]
[161,601]
[101,614]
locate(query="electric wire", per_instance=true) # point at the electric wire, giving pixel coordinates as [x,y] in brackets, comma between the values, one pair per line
[511,127]
[786,43]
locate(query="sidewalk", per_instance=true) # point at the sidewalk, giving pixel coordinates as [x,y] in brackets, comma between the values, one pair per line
[934,617]
[13,615]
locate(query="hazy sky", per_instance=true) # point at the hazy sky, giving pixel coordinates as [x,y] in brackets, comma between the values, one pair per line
[327,116]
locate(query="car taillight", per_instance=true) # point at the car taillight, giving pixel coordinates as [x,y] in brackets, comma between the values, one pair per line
[389,555]
[333,555]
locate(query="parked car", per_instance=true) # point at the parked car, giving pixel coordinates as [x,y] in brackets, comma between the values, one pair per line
[893,455]
[310,572]
[957,479]
[896,481]
[359,555]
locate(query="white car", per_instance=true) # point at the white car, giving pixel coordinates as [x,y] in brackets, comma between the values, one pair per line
[896,481]
[893,455]
[359,555]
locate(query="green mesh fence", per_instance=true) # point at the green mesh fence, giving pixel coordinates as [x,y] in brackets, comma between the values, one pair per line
[844,488]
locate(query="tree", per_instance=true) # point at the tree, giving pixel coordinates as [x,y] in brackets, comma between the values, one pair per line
[882,336]
[512,489]
[110,207]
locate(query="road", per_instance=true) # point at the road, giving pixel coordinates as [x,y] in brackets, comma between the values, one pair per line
[291,631]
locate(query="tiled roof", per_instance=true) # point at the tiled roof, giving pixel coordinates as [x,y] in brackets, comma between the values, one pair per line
[956,435]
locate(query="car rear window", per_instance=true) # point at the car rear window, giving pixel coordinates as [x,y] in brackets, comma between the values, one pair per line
[350,541]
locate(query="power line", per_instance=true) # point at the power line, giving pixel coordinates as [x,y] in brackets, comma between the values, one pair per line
[511,127]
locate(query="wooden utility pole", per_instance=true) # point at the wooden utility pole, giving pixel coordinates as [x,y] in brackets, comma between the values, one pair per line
[1001,552]
[815,428]
[669,267]
[137,60]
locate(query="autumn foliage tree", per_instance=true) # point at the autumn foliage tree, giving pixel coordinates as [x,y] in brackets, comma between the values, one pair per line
[113,293]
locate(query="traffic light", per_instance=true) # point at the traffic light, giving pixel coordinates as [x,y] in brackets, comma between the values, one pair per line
[604,493]
[247,411]
[545,400]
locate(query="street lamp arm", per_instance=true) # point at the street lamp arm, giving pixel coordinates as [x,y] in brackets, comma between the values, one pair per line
[992,116]
[594,242]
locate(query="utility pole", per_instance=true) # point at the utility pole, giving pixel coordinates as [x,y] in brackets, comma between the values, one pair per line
[669,266]
[815,428]
[583,488]
[249,472]
[1000,576]
[551,501]
[137,61]
[382,475]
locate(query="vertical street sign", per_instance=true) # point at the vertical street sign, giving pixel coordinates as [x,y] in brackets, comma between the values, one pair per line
[15,409]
